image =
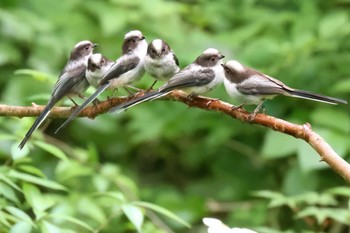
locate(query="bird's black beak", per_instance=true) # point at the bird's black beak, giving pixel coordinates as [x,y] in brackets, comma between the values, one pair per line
[94,45]
[223,65]
[142,37]
[221,56]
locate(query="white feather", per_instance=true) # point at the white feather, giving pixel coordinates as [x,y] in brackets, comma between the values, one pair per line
[235,65]
[157,44]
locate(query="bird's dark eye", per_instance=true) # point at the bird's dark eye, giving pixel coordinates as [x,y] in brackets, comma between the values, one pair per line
[154,51]
[87,47]
[212,59]
[163,50]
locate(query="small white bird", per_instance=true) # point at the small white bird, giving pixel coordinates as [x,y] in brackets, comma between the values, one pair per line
[97,67]
[160,62]
[216,226]
[252,87]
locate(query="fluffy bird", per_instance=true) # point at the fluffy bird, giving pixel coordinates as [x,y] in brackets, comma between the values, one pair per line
[97,67]
[252,87]
[127,69]
[203,75]
[160,62]
[72,81]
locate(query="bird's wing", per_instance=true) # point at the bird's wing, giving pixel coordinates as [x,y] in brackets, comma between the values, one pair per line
[175,59]
[189,78]
[260,84]
[121,66]
[67,82]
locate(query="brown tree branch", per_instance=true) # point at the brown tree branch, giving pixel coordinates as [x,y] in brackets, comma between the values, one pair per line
[303,132]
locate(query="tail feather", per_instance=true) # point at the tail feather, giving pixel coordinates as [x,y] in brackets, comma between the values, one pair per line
[43,115]
[316,97]
[81,107]
[147,97]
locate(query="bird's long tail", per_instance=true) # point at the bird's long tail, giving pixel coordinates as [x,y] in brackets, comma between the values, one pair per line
[43,115]
[147,97]
[316,97]
[81,107]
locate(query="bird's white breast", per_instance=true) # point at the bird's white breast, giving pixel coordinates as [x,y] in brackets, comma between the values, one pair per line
[162,68]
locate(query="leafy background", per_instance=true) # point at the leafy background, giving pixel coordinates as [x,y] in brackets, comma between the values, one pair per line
[160,164]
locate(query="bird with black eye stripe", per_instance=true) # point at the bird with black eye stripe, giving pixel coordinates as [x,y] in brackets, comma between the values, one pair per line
[160,61]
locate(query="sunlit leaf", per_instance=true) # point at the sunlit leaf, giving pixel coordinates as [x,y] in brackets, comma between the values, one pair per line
[8,192]
[20,214]
[341,191]
[47,227]
[90,208]
[41,76]
[31,169]
[134,214]
[9,182]
[118,196]
[162,211]
[52,150]
[36,180]
[21,227]
[39,202]
[72,220]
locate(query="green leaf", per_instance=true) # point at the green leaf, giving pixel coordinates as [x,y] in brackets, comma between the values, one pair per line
[38,75]
[31,169]
[341,191]
[90,208]
[326,116]
[47,227]
[9,182]
[4,220]
[316,212]
[115,195]
[342,86]
[278,145]
[332,25]
[322,214]
[39,202]
[134,214]
[52,149]
[72,220]
[21,227]
[36,180]
[339,215]
[296,181]
[20,214]
[162,211]
[8,192]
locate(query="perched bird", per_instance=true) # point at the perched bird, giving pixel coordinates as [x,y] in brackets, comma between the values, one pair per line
[252,87]
[71,81]
[203,75]
[127,69]
[216,226]
[160,62]
[97,67]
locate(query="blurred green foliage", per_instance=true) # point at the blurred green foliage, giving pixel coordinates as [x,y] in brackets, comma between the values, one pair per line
[142,170]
